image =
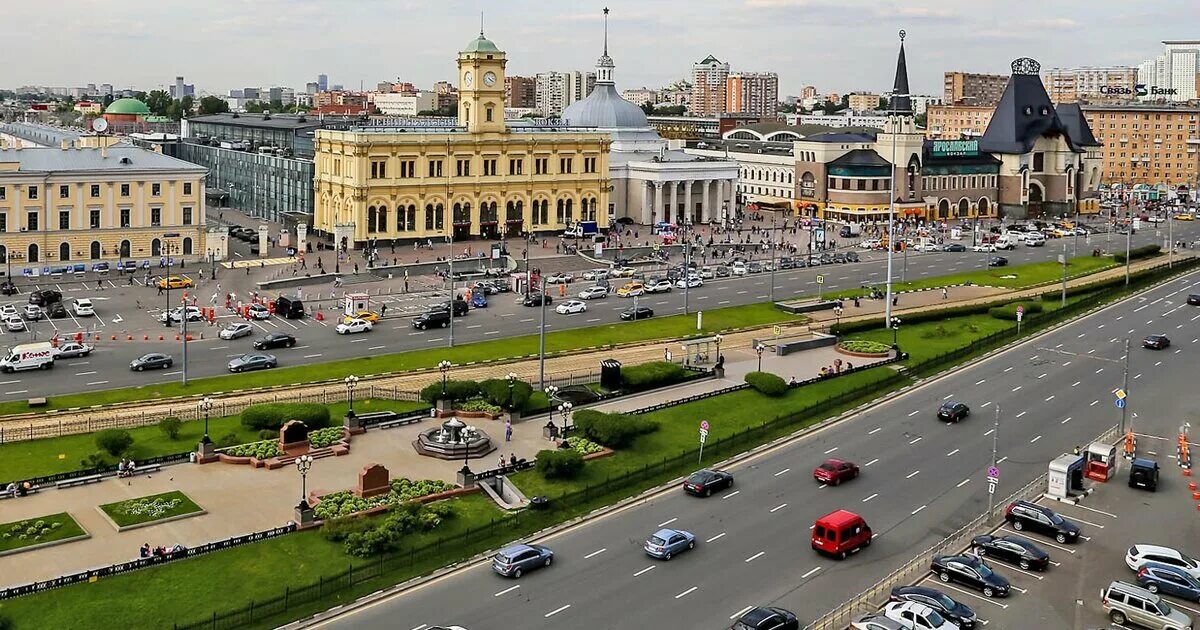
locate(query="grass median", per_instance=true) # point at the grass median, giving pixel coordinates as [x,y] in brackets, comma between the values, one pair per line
[669,327]
[148,509]
[39,530]
[1014,277]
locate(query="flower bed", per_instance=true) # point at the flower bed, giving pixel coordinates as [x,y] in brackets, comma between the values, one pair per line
[480,405]
[265,449]
[144,510]
[38,531]
[325,437]
[344,503]
[584,445]
[863,348]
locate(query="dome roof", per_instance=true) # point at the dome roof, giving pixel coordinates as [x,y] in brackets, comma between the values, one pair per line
[481,44]
[128,106]
[605,109]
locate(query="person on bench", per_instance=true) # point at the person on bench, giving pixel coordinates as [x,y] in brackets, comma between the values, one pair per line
[11,490]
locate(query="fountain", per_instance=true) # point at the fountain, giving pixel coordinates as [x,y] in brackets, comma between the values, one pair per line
[454,440]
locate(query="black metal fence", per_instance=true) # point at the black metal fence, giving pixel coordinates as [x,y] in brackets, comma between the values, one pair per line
[108,470]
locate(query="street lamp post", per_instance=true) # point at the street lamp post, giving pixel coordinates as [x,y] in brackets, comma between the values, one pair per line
[304,464]
[206,405]
[718,339]
[512,381]
[837,313]
[895,322]
[1128,236]
[550,392]
[564,410]
[444,367]
[759,349]
[542,336]
[351,382]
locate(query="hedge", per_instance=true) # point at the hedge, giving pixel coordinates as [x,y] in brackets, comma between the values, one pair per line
[560,463]
[275,415]
[914,318]
[614,430]
[651,375]
[767,383]
[496,391]
[1145,251]
[455,390]
[1009,311]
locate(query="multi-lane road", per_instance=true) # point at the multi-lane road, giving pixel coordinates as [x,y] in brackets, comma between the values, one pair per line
[108,366]
[921,480]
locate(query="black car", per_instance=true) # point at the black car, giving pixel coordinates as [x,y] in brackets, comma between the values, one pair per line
[253,361]
[432,319]
[8,288]
[56,310]
[955,611]
[851,256]
[997,261]
[151,361]
[787,263]
[766,618]
[704,482]
[1014,549]
[461,307]
[721,271]
[275,340]
[1024,515]
[1193,299]
[953,411]
[1156,342]
[45,297]
[955,247]
[970,571]
[640,312]
[535,299]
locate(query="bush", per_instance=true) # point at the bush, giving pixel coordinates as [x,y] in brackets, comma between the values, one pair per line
[1009,311]
[229,439]
[370,537]
[560,464]
[1145,251]
[583,445]
[455,390]
[6,623]
[497,392]
[614,430]
[275,415]
[95,461]
[258,450]
[767,383]
[651,375]
[170,427]
[114,441]
[862,345]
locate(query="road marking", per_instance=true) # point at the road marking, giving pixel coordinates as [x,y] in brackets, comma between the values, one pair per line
[1001,460]
[1017,388]
[963,483]
[172,373]
[985,404]
[914,413]
[19,391]
[491,332]
[376,348]
[1022,413]
[422,626]
[1043,375]
[731,494]
[778,507]
[717,537]
[311,356]
[1076,383]
[218,347]
[1066,364]
[651,567]
[784,471]
[831,450]
[981,381]
[665,523]
[740,612]
[9,382]
[1035,439]
[871,432]
[1094,403]
[1137,377]
[915,440]
[557,610]
[947,396]
[951,453]
[687,592]
[1007,369]
[870,462]
[84,373]
[913,474]
[989,432]
[870,497]
[756,556]
[914,512]
[98,383]
[970,594]
[507,590]
[810,572]
[1050,397]
[1066,420]
[595,553]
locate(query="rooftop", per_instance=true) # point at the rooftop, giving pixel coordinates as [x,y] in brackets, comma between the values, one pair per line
[40,134]
[276,121]
[119,158]
[1182,108]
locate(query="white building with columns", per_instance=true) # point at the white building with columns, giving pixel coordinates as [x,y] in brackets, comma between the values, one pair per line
[651,182]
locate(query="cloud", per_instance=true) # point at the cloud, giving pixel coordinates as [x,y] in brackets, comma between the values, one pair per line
[1051,24]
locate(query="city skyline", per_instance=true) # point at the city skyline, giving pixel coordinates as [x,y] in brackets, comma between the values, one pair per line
[149,44]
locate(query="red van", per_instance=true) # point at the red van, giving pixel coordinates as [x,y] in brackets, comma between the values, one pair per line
[840,534]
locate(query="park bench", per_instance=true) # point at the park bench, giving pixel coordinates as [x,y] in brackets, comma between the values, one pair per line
[7,495]
[79,481]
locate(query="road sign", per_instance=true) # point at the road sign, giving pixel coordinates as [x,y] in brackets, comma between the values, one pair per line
[1120,403]
[993,472]
[1020,316]
[991,485]
[703,435]
[778,330]
[704,425]
[820,279]
[1120,393]
[1020,309]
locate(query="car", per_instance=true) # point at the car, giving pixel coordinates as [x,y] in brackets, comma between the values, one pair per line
[1156,342]
[1129,604]
[1193,299]
[917,616]
[997,261]
[259,312]
[32,313]
[707,273]
[623,272]
[851,257]
[593,293]
[253,361]
[353,326]
[953,411]
[535,299]
[659,286]
[175,282]
[44,297]
[738,268]
[8,288]
[834,471]
[704,482]
[871,243]
[955,247]
[500,286]
[721,271]
[1185,217]
[1140,554]
[461,307]
[640,312]
[15,324]
[1035,239]
[787,262]
[1015,549]
[986,248]
[83,307]
[150,361]
[485,288]
[515,560]
[236,330]
[275,340]
[194,314]
[1022,515]
[766,618]
[970,571]
[755,267]
[666,543]
[631,289]
[876,621]
[479,299]
[370,316]
[595,274]
[8,310]
[957,612]
[561,277]
[570,306]
[431,319]
[72,350]
[1157,577]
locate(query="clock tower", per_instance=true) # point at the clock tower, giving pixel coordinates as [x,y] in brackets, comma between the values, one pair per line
[481,86]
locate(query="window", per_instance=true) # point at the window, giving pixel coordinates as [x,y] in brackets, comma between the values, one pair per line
[515,167]
[408,168]
[589,165]
[435,170]
[1039,162]
[378,169]
[94,220]
[462,167]
[124,190]
[489,166]
[95,191]
[155,216]
[541,166]
[488,114]
[64,219]
[31,221]
[3,221]
[3,193]
[187,215]
[64,192]
[187,188]
[125,217]
[156,190]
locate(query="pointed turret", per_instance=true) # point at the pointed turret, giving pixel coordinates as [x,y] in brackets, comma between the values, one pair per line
[605,65]
[901,102]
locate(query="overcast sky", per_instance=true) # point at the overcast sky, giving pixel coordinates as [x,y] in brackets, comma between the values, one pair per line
[837,45]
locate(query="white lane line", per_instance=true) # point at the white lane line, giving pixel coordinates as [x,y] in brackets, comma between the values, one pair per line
[870,497]
[952,453]
[981,381]
[914,413]
[376,348]
[1050,397]
[810,572]
[595,553]
[491,332]
[916,439]
[1017,388]
[778,507]
[963,483]
[914,512]
[870,462]
[1065,420]
[1094,403]
[989,432]
[986,404]
[1035,439]
[1008,369]
[98,383]
[782,472]
[1022,413]
[649,568]
[913,474]
[1158,364]
[1066,364]
[740,612]
[1001,460]
[84,373]
[717,537]
[831,450]
[311,356]
[218,347]
[1043,375]
[1080,336]
[507,590]
[871,432]
[687,592]
[1137,377]
[731,494]
[1076,383]
[947,396]
[665,523]
[1099,370]
[421,627]
[564,607]
[756,556]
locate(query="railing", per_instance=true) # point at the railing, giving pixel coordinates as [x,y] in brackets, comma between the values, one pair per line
[109,470]
[523,464]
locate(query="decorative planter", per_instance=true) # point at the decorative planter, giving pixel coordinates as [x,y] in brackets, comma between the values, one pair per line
[866,355]
[445,413]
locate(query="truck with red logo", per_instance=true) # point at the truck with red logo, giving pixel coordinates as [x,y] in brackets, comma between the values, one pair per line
[28,356]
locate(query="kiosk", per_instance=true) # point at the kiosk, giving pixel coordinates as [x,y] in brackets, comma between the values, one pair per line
[1065,477]
[1101,461]
[356,302]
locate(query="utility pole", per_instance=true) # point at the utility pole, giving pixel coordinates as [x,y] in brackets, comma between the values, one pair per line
[450,257]
[687,273]
[1171,238]
[1128,235]
[1125,387]
[184,314]
[1064,274]
[992,484]
[542,339]
[774,237]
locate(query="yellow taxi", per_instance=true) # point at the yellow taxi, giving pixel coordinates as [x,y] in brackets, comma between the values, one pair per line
[176,282]
[1185,217]
[370,316]
[631,289]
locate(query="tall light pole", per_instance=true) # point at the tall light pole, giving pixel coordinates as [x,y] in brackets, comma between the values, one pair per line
[351,382]
[991,490]
[304,464]
[1125,385]
[183,316]
[759,349]
[450,240]
[564,410]
[1063,260]
[687,273]
[512,381]
[444,368]
[1128,236]
[895,129]
[542,336]
[718,338]
[206,405]
[550,392]
[837,313]
[895,324]
[1171,239]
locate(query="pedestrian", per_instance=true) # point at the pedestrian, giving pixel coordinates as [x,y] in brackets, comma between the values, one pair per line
[945,293]
[508,430]
[160,289]
[895,300]
[383,310]
[99,285]
[355,268]
[512,459]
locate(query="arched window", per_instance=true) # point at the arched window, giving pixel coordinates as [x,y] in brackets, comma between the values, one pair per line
[570,211]
[516,211]
[462,213]
[156,247]
[487,212]
[558,214]
[187,246]
[126,248]
[96,253]
[382,219]
[964,207]
[371,219]
[64,251]
[944,209]
[32,255]
[984,205]
[3,254]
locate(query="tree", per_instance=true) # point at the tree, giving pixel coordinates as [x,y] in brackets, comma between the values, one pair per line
[254,107]
[786,108]
[670,110]
[159,101]
[884,103]
[213,105]
[920,120]
[106,101]
[648,107]
[187,104]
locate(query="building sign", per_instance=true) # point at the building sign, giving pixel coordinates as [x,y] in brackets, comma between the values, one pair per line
[1138,90]
[955,148]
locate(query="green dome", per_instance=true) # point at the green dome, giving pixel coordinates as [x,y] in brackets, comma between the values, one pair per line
[481,44]
[128,106]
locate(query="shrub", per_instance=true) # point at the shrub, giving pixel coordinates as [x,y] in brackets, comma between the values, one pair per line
[767,383]
[480,405]
[497,392]
[614,430]
[96,460]
[229,439]
[455,390]
[583,445]
[1144,251]
[114,441]
[324,437]
[1009,311]
[651,375]
[275,415]
[338,529]
[258,450]
[170,427]
[560,464]
[375,536]
[862,345]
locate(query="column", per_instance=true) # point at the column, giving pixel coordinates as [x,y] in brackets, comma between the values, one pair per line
[705,212]
[657,215]
[687,201]
[729,184]
[674,203]
[646,201]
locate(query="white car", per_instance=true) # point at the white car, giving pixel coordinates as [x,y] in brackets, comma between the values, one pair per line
[659,286]
[593,293]
[1035,239]
[235,330]
[917,616]
[83,307]
[33,312]
[258,311]
[871,243]
[985,247]
[559,278]
[7,311]
[1141,554]
[1017,235]
[570,306]
[14,324]
[707,273]
[193,314]
[595,274]
[624,272]
[738,268]
[690,281]
[353,326]
[71,350]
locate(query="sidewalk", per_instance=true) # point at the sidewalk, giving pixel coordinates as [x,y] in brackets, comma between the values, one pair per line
[241,499]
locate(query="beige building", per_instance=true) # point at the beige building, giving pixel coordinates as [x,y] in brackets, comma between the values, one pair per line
[754,93]
[950,122]
[483,176]
[709,85]
[863,101]
[1150,144]
[64,204]
[969,88]
[1112,84]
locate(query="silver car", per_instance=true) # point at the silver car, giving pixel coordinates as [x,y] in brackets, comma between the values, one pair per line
[1126,603]
[72,350]
[253,361]
[235,330]
[876,621]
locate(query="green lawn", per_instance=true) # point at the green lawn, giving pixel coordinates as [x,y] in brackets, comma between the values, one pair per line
[673,326]
[155,507]
[38,531]
[37,458]
[1014,277]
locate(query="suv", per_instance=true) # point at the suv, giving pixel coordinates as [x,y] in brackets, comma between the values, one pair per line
[432,319]
[1025,515]
[1133,604]
[1141,554]
[45,297]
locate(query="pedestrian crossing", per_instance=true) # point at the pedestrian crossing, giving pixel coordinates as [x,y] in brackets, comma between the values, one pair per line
[259,262]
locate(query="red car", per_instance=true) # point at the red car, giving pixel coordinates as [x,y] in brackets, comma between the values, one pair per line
[835,471]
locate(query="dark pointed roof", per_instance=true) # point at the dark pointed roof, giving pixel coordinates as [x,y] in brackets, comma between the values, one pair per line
[861,157]
[1023,115]
[710,59]
[901,103]
[1077,126]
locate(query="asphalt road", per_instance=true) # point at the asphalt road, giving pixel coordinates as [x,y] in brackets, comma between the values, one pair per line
[108,366]
[922,479]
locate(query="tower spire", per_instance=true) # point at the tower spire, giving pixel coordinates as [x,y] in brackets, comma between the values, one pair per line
[481,25]
[605,31]
[901,102]
[605,65]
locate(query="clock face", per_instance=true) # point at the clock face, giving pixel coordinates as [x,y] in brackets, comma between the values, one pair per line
[468,79]
[489,79]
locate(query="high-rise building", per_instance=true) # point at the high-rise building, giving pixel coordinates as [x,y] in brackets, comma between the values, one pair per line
[953,122]
[178,92]
[641,96]
[807,92]
[520,91]
[311,88]
[709,85]
[322,83]
[554,91]
[752,93]
[863,101]
[921,103]
[1173,75]
[1091,84]
[968,88]
[1146,143]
